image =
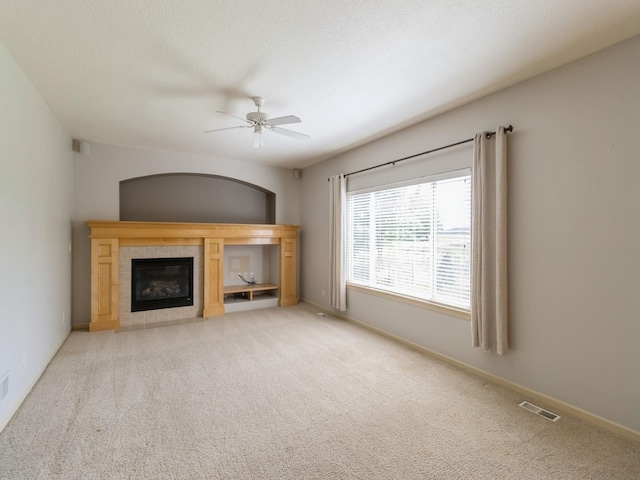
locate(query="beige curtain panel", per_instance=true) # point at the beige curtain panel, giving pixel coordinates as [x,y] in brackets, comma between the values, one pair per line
[489,302]
[337,222]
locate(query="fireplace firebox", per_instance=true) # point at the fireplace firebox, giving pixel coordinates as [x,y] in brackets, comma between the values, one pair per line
[161,283]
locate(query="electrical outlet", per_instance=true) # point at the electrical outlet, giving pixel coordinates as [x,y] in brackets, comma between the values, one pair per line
[63,317]
[24,360]
[323,293]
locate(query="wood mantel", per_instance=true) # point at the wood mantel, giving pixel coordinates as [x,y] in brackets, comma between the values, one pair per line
[108,236]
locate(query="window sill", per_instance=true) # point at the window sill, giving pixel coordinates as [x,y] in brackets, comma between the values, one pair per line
[416,302]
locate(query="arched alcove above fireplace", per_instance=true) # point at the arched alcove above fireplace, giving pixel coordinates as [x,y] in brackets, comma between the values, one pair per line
[195,198]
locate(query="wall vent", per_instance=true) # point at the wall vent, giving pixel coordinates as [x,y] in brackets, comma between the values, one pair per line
[540,411]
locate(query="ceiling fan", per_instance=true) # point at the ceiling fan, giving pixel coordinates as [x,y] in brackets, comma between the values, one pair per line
[261,123]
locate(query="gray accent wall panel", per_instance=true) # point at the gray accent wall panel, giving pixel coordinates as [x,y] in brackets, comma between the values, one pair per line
[184,197]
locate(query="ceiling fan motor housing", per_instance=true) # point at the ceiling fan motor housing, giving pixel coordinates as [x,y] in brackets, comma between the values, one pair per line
[258,118]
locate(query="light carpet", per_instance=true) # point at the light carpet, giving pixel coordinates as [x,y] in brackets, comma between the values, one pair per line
[282,393]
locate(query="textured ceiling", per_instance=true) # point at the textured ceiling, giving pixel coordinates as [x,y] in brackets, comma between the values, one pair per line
[152,73]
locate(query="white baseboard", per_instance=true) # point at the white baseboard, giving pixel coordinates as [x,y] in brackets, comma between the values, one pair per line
[12,411]
[531,394]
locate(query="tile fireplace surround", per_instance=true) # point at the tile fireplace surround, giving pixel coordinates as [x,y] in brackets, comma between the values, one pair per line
[114,243]
[163,315]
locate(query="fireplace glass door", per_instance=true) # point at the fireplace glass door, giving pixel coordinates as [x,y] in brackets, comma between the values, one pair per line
[161,283]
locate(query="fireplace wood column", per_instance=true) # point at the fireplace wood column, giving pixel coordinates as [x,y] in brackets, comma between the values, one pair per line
[108,236]
[288,292]
[213,270]
[104,284]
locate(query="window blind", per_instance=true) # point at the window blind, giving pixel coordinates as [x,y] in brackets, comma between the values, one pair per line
[413,240]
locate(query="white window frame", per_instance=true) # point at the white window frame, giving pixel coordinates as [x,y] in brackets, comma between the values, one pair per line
[427,300]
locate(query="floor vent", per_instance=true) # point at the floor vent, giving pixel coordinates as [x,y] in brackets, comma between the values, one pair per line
[540,411]
[321,314]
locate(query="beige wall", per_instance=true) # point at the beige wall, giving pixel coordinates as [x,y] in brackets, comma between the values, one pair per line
[574,232]
[35,211]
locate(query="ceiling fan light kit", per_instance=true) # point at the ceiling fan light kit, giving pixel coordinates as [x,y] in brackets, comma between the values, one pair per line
[257,136]
[260,123]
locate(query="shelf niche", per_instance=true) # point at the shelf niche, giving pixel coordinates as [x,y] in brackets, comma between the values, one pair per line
[255,263]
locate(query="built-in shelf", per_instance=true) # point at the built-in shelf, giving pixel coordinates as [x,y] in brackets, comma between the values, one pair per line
[249,289]
[238,298]
[260,300]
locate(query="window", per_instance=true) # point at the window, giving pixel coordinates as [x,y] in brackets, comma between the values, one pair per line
[413,239]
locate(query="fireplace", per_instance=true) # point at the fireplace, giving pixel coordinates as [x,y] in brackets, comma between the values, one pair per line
[161,283]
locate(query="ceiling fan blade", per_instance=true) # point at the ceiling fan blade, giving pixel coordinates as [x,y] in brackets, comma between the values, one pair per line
[239,118]
[284,120]
[227,128]
[290,133]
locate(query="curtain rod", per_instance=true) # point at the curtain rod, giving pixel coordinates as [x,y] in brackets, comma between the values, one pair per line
[393,162]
